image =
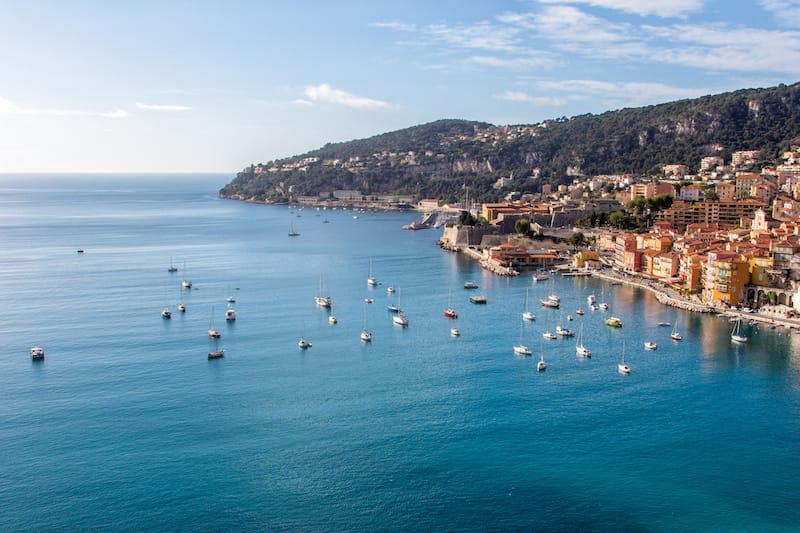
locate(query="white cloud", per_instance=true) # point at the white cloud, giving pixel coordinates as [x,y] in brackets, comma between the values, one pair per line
[624,94]
[324,93]
[163,107]
[514,63]
[661,8]
[480,36]
[302,102]
[394,25]
[517,96]
[11,108]
[785,12]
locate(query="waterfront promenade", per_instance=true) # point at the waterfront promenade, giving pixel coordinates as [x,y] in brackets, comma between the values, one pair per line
[772,315]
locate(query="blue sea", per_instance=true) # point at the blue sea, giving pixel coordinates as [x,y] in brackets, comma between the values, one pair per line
[128,426]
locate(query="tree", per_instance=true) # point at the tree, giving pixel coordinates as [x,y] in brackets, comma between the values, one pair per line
[522,226]
[577,239]
[616,219]
[466,219]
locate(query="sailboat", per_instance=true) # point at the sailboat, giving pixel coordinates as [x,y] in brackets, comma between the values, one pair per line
[292,232]
[320,299]
[580,349]
[560,330]
[521,349]
[212,331]
[302,343]
[526,314]
[366,336]
[549,335]
[37,352]
[166,313]
[450,312]
[399,318]
[230,314]
[622,368]
[217,352]
[172,267]
[675,335]
[736,334]
[371,280]
[541,366]
[185,283]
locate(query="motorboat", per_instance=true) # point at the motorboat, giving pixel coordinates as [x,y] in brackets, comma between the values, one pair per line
[37,352]
[579,312]
[541,366]
[477,299]
[230,315]
[454,332]
[216,354]
[614,322]
[166,313]
[549,335]
[366,336]
[470,285]
[332,320]
[564,332]
[650,345]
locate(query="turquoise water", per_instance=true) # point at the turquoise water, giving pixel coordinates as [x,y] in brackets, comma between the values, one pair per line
[126,425]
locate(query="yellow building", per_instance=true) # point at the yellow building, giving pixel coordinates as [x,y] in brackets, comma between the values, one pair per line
[586,259]
[731,273]
[759,271]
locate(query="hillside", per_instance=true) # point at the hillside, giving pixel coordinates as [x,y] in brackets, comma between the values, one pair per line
[436,160]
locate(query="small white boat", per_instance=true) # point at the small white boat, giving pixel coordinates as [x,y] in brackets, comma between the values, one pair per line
[37,352]
[541,366]
[166,313]
[303,344]
[454,332]
[479,299]
[521,349]
[564,332]
[371,280]
[366,336]
[603,306]
[368,300]
[580,349]
[181,308]
[216,354]
[650,345]
[579,312]
[549,335]
[332,320]
[569,317]
[400,319]
[736,335]
[390,289]
[591,299]
[470,285]
[526,314]
[675,335]
[540,276]
[230,315]
[622,368]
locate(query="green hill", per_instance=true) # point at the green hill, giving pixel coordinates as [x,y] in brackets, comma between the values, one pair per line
[436,160]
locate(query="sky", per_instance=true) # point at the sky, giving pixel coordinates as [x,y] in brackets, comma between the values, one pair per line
[213,86]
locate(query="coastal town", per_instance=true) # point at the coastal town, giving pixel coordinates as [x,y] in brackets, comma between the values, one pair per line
[730,240]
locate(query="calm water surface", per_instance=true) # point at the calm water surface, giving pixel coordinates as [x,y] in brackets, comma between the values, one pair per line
[127,425]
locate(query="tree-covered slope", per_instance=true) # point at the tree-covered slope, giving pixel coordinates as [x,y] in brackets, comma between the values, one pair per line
[437,159]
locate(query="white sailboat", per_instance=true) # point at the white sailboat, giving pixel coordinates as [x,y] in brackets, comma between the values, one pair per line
[521,349]
[230,314]
[321,299]
[736,334]
[292,232]
[399,318]
[185,283]
[561,330]
[212,331]
[580,349]
[371,280]
[366,336]
[675,335]
[541,366]
[623,368]
[527,314]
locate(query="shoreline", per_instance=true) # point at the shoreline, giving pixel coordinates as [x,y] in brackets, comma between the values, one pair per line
[661,293]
